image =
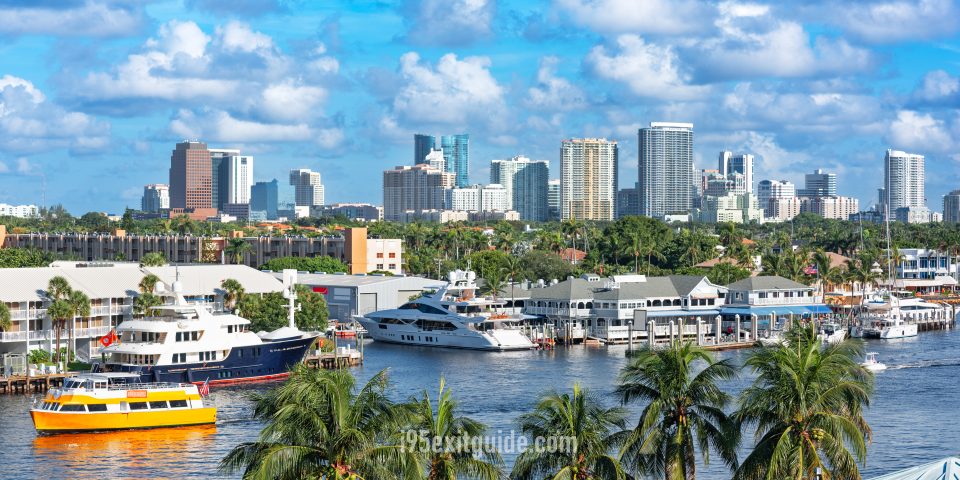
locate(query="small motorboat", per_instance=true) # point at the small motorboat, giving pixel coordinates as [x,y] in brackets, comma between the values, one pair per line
[871,363]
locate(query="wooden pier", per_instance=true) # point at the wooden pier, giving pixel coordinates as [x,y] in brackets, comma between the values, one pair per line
[32,384]
[331,360]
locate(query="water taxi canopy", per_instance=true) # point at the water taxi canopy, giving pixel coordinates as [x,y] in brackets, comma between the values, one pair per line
[947,468]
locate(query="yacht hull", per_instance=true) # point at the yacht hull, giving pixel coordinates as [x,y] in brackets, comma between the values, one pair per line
[494,340]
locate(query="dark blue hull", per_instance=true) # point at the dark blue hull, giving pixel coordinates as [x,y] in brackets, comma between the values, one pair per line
[251,363]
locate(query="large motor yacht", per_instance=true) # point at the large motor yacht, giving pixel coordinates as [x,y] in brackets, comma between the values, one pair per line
[186,342]
[452,316]
[892,315]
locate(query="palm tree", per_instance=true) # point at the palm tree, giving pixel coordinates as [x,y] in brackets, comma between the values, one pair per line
[148,283]
[684,411]
[807,405]
[79,307]
[493,284]
[146,300]
[636,242]
[512,267]
[233,293]
[59,310]
[237,248]
[5,321]
[440,429]
[319,425]
[589,431]
[153,259]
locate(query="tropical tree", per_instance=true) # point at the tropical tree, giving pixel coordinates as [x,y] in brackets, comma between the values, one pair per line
[445,455]
[724,273]
[59,310]
[236,248]
[807,407]
[232,293]
[153,259]
[5,320]
[493,283]
[684,411]
[586,430]
[318,424]
[79,307]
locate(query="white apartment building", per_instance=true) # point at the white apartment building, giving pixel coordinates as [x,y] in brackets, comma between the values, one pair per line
[588,179]
[435,159]
[782,209]
[915,215]
[838,208]
[29,211]
[308,190]
[731,207]
[665,162]
[385,254]
[903,183]
[478,198]
[240,179]
[526,183]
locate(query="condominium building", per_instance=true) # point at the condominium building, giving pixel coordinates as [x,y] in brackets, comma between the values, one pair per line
[363,212]
[588,179]
[308,191]
[915,215]
[220,175]
[731,207]
[239,179]
[839,208]
[422,146]
[156,197]
[27,211]
[782,209]
[718,184]
[456,154]
[525,181]
[951,207]
[264,198]
[628,201]
[435,160]
[191,182]
[413,188]
[665,160]
[819,184]
[741,164]
[477,198]
[903,182]
[553,199]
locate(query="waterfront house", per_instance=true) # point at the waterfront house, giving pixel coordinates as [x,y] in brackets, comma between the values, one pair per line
[566,304]
[771,297]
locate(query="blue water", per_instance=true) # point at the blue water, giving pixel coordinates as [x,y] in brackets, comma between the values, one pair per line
[914,415]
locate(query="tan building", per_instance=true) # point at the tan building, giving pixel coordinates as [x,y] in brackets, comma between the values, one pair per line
[782,209]
[413,188]
[839,208]
[191,177]
[588,179]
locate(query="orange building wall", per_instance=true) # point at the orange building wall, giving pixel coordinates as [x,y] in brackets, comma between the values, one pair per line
[355,249]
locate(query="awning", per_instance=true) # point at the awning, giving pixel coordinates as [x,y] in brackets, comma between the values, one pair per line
[706,314]
[746,311]
[948,468]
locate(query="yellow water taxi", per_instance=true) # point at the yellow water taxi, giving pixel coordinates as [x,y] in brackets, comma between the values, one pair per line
[116,401]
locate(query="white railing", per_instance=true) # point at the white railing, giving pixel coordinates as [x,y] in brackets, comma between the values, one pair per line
[91,332]
[621,333]
[783,301]
[30,314]
[110,310]
[557,312]
[24,336]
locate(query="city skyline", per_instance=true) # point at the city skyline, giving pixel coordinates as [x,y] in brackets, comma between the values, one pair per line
[340,88]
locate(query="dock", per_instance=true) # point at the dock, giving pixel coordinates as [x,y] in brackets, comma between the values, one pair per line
[343,357]
[32,384]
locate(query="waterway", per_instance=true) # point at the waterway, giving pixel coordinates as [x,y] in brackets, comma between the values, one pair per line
[915,414]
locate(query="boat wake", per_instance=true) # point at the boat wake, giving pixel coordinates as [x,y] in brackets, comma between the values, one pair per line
[927,364]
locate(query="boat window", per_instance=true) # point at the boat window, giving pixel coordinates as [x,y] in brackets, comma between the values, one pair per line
[72,407]
[138,405]
[178,404]
[97,407]
[422,307]
[156,405]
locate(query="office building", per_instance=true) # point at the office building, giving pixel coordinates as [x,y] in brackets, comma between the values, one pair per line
[361,212]
[903,183]
[308,191]
[553,199]
[239,179]
[730,207]
[915,215]
[191,182]
[588,179]
[819,184]
[264,197]
[156,197]
[435,160]
[718,185]
[525,181]
[742,164]
[422,146]
[413,188]
[220,175]
[951,207]
[778,199]
[665,168]
[628,201]
[456,154]
[477,198]
[836,207]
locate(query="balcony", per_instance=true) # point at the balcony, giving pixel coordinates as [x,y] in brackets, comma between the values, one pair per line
[557,312]
[24,336]
[783,301]
[29,314]
[89,332]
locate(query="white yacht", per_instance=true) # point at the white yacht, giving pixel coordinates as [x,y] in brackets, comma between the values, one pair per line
[186,342]
[452,316]
[832,333]
[889,315]
[871,363]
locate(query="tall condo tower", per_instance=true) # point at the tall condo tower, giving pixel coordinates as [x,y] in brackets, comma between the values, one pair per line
[456,154]
[422,146]
[308,191]
[903,182]
[666,180]
[525,181]
[588,179]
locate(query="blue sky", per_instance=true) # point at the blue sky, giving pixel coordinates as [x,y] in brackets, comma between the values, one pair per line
[95,93]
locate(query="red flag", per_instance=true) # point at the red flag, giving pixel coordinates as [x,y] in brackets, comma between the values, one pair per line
[204,388]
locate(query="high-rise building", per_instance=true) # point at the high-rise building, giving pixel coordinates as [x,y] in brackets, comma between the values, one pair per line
[553,199]
[191,184]
[456,154]
[665,168]
[413,188]
[628,201]
[819,184]
[264,197]
[729,207]
[903,182]
[422,146]
[220,175]
[835,207]
[951,207]
[525,181]
[308,191]
[741,163]
[239,179]
[156,197]
[477,198]
[588,179]
[769,195]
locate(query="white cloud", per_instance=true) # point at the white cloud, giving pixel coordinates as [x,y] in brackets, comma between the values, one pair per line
[330,137]
[919,132]
[220,126]
[449,22]
[632,16]
[552,92]
[898,20]
[455,92]
[4,168]
[94,19]
[24,167]
[647,69]
[291,101]
[237,36]
[938,85]
[180,37]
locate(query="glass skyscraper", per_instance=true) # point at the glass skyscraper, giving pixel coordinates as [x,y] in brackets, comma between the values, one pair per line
[422,146]
[526,183]
[264,197]
[456,154]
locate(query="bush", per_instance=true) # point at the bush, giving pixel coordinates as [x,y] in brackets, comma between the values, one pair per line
[38,356]
[306,264]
